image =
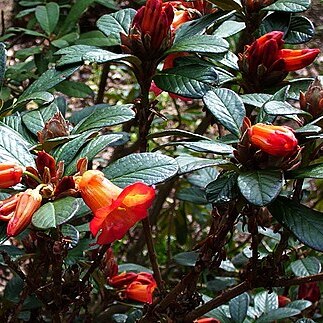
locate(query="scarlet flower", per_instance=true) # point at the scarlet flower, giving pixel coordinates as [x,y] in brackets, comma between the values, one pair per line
[28,203]
[274,140]
[264,61]
[309,291]
[122,279]
[10,174]
[141,289]
[115,210]
[207,320]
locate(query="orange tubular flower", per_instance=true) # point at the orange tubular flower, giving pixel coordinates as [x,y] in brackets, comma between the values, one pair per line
[10,174]
[122,279]
[264,61]
[283,300]
[141,289]
[8,206]
[28,203]
[207,320]
[115,210]
[274,140]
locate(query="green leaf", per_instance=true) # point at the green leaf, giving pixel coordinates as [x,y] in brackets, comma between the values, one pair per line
[305,223]
[265,302]
[221,283]
[239,307]
[13,289]
[186,258]
[275,21]
[260,187]
[192,194]
[191,81]
[35,120]
[75,89]
[223,189]
[200,44]
[105,116]
[278,314]
[198,26]
[3,57]
[71,235]
[205,146]
[300,304]
[255,99]
[305,320]
[300,30]
[133,267]
[188,164]
[92,148]
[279,108]
[150,168]
[95,38]
[52,214]
[313,171]
[114,24]
[306,266]
[229,28]
[77,10]
[46,97]
[227,4]
[297,85]
[68,150]
[14,148]
[227,108]
[289,5]
[90,54]
[48,16]
[48,80]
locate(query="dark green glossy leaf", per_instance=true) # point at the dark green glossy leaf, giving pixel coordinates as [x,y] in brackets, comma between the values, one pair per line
[48,80]
[71,235]
[35,120]
[260,187]
[104,116]
[3,57]
[198,26]
[75,89]
[77,10]
[278,314]
[14,147]
[306,266]
[48,16]
[191,81]
[92,148]
[313,171]
[255,99]
[205,146]
[150,168]
[239,307]
[229,28]
[227,4]
[305,223]
[133,267]
[186,258]
[192,194]
[275,21]
[200,44]
[281,108]
[300,304]
[289,5]
[265,302]
[52,214]
[114,24]
[300,30]
[46,97]
[223,189]
[227,108]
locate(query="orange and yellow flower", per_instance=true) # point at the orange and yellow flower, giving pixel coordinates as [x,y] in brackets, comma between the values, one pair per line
[10,174]
[115,210]
[28,203]
[274,140]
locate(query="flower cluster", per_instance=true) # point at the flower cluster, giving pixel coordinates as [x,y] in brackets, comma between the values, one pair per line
[265,63]
[137,287]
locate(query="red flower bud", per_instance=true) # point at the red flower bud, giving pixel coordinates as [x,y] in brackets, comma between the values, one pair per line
[274,140]
[309,291]
[312,100]
[265,63]
[207,320]
[283,300]
[43,160]
[10,174]
[28,203]
[8,206]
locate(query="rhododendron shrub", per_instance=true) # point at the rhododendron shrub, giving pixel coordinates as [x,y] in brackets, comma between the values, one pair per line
[122,204]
